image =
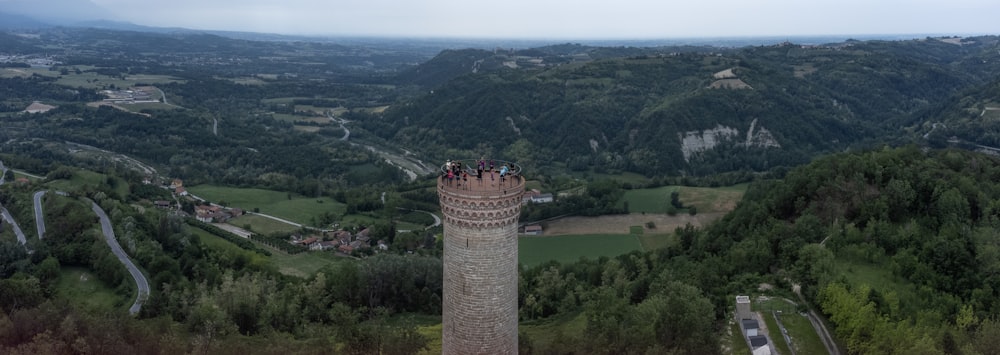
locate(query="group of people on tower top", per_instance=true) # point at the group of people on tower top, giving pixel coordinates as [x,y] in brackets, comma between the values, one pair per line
[457,174]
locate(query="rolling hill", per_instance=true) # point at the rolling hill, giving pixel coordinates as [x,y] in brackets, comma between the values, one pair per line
[663,111]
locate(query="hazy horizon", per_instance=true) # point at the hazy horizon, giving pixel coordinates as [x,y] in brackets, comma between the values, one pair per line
[540,19]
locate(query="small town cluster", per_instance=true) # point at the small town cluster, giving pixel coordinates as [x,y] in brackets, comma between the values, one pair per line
[321,240]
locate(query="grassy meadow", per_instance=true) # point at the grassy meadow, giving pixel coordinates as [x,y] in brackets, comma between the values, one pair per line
[541,332]
[300,265]
[706,199]
[304,264]
[292,207]
[262,225]
[774,333]
[804,337]
[800,330]
[85,177]
[82,287]
[533,250]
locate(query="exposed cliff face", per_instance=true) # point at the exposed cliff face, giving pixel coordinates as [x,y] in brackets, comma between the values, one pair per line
[761,138]
[699,141]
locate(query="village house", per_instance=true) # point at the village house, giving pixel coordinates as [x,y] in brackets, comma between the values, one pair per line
[162,203]
[533,229]
[176,183]
[542,198]
[210,214]
[309,241]
[363,235]
[535,196]
[343,237]
[180,191]
[327,245]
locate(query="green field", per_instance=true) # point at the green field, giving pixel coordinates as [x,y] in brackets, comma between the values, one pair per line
[138,107]
[800,330]
[297,208]
[283,100]
[632,178]
[81,287]
[656,241]
[301,264]
[86,177]
[262,225]
[295,118]
[18,175]
[357,220]
[97,81]
[89,80]
[570,248]
[543,332]
[214,242]
[774,334]
[706,199]
[244,80]
[804,337]
[738,343]
[26,72]
[304,264]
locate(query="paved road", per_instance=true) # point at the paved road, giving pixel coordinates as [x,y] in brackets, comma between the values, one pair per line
[109,236]
[437,220]
[39,220]
[6,214]
[279,219]
[341,121]
[13,224]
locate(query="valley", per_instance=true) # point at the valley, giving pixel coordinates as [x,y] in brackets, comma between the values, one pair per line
[279,196]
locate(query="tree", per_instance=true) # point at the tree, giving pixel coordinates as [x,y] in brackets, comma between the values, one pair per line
[675,199]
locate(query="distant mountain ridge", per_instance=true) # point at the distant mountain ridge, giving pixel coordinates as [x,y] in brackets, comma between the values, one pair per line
[57,12]
[666,111]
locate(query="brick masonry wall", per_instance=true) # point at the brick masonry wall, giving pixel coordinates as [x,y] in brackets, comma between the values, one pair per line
[480,272]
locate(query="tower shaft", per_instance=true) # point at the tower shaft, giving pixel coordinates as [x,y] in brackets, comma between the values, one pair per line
[479,300]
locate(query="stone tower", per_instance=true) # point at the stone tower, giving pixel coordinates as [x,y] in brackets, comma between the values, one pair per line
[480,260]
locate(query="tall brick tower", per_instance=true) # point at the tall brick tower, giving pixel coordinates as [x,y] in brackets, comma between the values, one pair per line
[480,260]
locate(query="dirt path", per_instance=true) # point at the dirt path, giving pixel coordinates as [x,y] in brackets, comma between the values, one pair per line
[619,224]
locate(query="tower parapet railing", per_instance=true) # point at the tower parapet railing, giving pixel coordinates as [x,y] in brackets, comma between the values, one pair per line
[470,182]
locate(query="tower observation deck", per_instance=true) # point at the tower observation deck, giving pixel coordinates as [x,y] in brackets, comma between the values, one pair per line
[479,300]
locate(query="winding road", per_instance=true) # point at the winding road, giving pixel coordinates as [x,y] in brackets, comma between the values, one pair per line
[109,236]
[6,214]
[343,126]
[13,224]
[39,220]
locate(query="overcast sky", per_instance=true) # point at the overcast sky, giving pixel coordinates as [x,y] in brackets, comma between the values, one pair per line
[588,19]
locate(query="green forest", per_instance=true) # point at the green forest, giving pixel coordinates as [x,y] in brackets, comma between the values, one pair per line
[920,223]
[872,190]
